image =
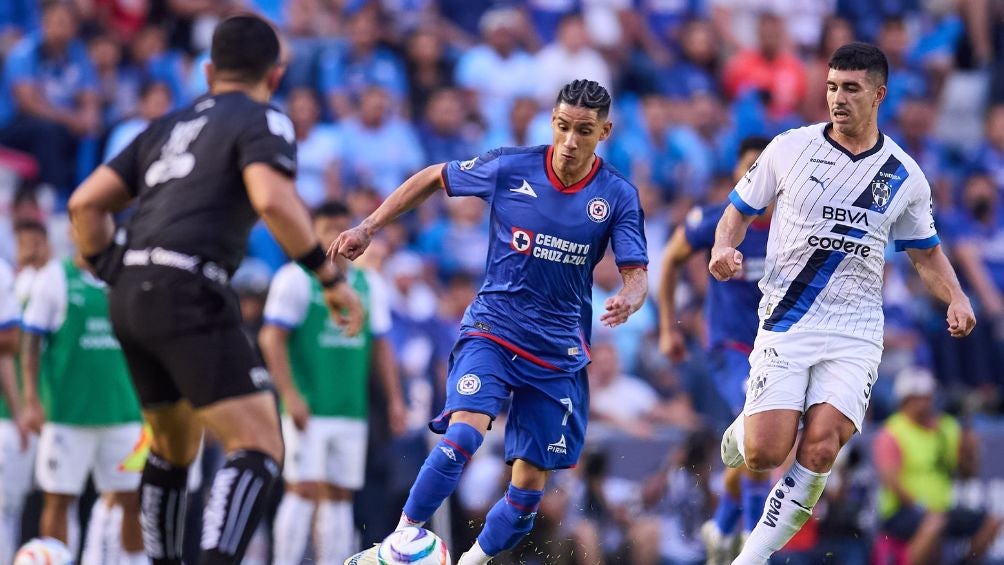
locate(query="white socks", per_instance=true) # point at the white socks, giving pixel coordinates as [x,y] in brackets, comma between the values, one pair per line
[10,527]
[788,507]
[291,529]
[103,545]
[334,532]
[476,556]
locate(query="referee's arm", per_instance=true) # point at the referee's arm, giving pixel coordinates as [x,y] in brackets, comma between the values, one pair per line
[91,207]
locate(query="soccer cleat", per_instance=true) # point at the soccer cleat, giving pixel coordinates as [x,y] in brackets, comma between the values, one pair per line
[717,546]
[365,557]
[730,446]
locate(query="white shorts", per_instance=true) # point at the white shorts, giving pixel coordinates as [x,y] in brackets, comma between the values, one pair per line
[15,465]
[797,370]
[67,454]
[330,450]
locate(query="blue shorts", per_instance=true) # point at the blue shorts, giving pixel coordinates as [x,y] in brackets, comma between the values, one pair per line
[730,368]
[546,424]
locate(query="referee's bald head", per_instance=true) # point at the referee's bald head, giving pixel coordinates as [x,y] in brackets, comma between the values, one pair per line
[244,48]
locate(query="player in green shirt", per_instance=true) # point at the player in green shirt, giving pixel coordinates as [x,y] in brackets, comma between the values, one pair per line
[323,378]
[78,396]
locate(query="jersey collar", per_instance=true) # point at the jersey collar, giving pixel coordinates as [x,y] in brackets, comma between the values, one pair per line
[854,158]
[556,182]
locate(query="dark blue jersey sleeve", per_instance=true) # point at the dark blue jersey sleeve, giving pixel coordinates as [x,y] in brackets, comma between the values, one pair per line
[474,177]
[699,227]
[628,238]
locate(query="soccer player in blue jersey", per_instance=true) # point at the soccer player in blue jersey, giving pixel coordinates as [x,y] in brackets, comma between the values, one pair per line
[730,312]
[554,209]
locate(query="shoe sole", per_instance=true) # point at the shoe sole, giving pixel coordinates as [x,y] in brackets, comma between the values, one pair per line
[365,557]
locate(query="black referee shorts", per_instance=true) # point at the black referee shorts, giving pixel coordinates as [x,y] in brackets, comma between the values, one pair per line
[181,336]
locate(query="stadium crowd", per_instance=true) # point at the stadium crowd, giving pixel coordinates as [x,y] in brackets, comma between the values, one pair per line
[376,90]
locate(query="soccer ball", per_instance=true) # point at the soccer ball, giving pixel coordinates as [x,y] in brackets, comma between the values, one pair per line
[43,551]
[413,546]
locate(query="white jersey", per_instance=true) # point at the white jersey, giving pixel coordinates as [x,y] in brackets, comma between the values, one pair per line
[10,312]
[834,216]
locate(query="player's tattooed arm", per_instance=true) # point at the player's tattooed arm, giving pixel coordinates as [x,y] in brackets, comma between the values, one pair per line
[939,277]
[412,192]
[726,260]
[630,298]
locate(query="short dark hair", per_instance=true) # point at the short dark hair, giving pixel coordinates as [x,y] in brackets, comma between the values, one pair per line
[752,143]
[860,56]
[586,94]
[245,47]
[31,226]
[331,209]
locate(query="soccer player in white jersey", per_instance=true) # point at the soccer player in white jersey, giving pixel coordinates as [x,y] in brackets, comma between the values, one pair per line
[842,191]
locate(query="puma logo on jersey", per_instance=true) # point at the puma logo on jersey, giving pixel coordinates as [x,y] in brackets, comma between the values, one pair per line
[524,188]
[821,183]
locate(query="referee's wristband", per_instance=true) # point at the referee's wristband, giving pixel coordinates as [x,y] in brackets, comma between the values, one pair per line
[313,259]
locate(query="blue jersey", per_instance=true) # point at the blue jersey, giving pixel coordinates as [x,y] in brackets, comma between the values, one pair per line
[545,240]
[730,309]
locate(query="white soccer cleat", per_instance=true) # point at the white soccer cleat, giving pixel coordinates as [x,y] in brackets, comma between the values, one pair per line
[730,446]
[717,546]
[365,557]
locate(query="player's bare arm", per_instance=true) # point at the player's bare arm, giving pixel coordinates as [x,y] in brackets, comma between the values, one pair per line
[386,370]
[412,192]
[628,300]
[91,207]
[8,341]
[726,260]
[675,254]
[31,348]
[940,279]
[274,343]
[273,196]
[8,387]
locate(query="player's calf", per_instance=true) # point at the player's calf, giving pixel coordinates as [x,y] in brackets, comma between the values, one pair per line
[441,472]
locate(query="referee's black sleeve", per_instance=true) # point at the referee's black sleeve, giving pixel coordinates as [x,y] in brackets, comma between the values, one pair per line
[126,164]
[269,139]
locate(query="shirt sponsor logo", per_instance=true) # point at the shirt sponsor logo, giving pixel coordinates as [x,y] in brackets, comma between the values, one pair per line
[598,209]
[845,215]
[549,247]
[469,384]
[840,244]
[821,161]
[770,517]
[559,447]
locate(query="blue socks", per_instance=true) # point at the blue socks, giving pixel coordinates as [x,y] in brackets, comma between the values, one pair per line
[509,520]
[441,471]
[727,514]
[754,495]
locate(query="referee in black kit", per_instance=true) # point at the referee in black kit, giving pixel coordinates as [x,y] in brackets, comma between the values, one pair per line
[201,176]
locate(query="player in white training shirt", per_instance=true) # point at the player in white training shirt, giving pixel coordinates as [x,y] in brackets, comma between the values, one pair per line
[842,191]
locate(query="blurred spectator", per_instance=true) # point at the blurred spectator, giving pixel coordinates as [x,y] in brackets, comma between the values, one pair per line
[527,125]
[150,59]
[989,157]
[679,497]
[458,243]
[55,94]
[905,80]
[428,67]
[122,18]
[382,149]
[17,18]
[607,281]
[696,67]
[445,134]
[867,15]
[651,25]
[737,20]
[250,282]
[318,147]
[568,58]
[115,101]
[496,71]
[836,32]
[547,15]
[770,68]
[348,70]
[917,453]
[914,132]
[154,102]
[645,154]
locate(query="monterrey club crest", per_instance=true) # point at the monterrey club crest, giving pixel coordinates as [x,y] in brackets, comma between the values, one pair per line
[598,209]
[469,384]
[880,192]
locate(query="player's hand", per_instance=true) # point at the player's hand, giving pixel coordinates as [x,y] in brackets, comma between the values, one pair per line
[673,345]
[961,319]
[397,417]
[346,309]
[297,409]
[351,243]
[725,263]
[33,415]
[23,433]
[618,309]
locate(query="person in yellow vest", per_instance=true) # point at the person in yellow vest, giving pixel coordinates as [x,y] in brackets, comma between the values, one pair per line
[918,452]
[323,378]
[79,398]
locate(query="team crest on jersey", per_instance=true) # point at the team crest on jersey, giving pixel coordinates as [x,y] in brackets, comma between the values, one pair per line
[598,209]
[521,240]
[469,384]
[469,164]
[880,192]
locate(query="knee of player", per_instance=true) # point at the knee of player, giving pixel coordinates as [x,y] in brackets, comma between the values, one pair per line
[818,451]
[763,456]
[129,501]
[460,442]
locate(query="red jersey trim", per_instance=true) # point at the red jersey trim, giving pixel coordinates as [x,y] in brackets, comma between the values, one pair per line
[516,349]
[556,182]
[627,267]
[458,448]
